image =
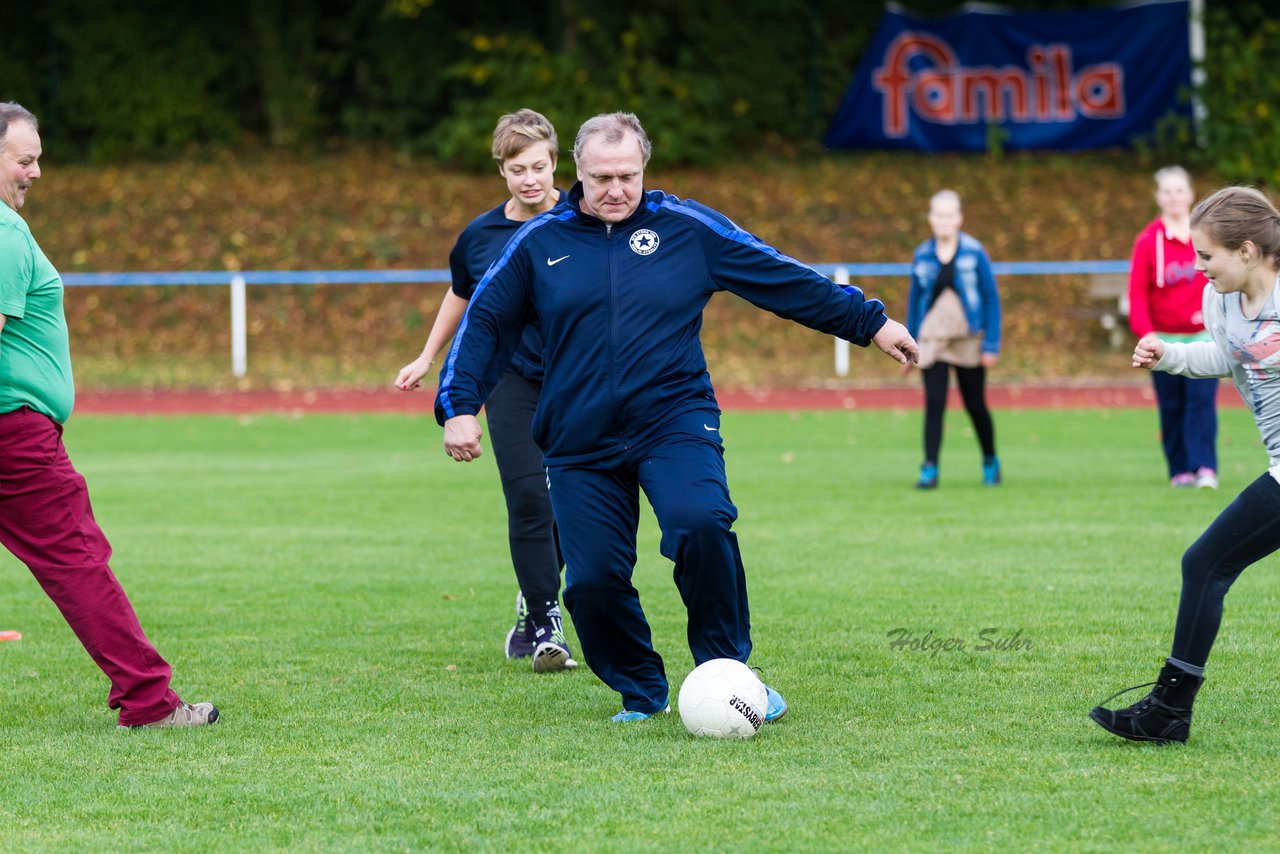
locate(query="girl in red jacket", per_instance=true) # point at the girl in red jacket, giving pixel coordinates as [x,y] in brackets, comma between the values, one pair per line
[1164,299]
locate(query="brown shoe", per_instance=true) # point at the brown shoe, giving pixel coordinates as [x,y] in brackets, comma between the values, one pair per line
[186,714]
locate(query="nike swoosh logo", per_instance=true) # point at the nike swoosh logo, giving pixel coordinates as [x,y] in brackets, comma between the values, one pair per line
[551,263]
[711,429]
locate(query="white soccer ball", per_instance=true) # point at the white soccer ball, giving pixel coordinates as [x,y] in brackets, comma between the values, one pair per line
[722,698]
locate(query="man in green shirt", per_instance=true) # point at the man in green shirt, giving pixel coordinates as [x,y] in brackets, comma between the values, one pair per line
[45,517]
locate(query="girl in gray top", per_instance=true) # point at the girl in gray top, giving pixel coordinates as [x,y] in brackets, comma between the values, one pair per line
[1236,233]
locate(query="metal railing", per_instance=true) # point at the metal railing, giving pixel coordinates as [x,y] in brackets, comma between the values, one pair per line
[238,282]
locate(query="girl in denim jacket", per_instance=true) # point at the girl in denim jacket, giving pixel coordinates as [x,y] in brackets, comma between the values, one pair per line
[953,310]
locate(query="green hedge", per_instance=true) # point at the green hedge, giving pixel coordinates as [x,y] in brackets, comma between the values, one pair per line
[114,79]
[1241,139]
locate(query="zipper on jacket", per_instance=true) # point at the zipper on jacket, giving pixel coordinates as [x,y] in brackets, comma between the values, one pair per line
[612,341]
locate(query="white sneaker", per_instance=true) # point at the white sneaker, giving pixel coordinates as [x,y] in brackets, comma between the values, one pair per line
[1206,478]
[186,714]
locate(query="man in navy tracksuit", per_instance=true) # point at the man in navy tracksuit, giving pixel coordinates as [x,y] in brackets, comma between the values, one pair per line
[617,279]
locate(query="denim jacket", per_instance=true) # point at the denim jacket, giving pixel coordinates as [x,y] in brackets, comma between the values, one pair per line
[975,283]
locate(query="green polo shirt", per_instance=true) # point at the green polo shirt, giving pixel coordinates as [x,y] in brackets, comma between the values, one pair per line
[35,357]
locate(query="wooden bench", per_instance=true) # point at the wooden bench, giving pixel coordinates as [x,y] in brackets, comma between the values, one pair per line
[1113,290]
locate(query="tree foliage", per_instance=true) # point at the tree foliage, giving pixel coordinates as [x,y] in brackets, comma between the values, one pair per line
[1241,95]
[147,78]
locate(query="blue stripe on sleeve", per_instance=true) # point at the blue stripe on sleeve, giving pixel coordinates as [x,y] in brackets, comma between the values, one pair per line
[737,235]
[496,267]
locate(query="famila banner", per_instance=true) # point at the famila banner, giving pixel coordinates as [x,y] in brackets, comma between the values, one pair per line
[1061,80]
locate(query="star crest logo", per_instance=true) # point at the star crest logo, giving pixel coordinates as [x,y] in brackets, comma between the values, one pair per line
[644,242]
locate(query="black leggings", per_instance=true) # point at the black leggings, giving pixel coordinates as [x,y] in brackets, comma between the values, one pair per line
[531,527]
[973,390]
[1244,533]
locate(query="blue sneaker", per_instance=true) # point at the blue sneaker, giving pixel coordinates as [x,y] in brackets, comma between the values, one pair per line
[777,706]
[928,476]
[627,716]
[520,640]
[990,471]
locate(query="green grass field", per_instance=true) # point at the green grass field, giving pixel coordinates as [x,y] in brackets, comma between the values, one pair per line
[341,590]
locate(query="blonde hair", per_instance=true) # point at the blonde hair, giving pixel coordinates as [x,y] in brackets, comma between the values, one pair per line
[1234,215]
[945,196]
[1174,172]
[517,131]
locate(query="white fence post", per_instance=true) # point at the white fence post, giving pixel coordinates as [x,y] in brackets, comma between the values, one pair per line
[239,328]
[842,346]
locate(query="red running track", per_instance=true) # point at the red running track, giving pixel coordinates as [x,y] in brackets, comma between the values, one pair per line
[347,400]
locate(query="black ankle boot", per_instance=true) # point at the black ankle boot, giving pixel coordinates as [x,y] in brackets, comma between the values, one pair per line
[1162,716]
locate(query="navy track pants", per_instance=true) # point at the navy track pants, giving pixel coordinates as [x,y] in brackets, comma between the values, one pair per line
[680,468]
[1188,421]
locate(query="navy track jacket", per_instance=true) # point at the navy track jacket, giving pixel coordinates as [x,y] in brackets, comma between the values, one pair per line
[620,308]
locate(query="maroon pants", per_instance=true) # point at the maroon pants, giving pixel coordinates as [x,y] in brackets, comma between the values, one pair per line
[46,521]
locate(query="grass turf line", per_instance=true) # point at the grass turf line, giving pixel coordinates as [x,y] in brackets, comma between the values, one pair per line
[318,577]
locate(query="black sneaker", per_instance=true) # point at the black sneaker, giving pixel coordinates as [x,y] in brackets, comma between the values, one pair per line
[1161,717]
[520,640]
[551,653]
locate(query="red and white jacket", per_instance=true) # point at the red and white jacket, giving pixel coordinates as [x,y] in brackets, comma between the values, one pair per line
[1164,288]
